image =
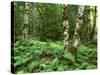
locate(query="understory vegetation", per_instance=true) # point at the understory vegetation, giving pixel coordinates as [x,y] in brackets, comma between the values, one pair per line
[39,56]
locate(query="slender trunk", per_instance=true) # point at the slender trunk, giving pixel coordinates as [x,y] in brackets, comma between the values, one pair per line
[76,38]
[26,24]
[65,27]
[87,22]
[94,24]
[88,25]
[34,11]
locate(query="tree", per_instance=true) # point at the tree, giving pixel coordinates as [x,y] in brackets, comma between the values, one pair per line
[77,33]
[73,45]
[86,24]
[93,10]
[53,33]
[18,19]
[34,11]
[49,21]
[26,24]
[65,27]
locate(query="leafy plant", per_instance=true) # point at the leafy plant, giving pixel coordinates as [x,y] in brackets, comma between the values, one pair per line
[38,56]
[69,56]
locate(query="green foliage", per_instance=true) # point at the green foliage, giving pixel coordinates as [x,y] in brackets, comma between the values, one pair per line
[39,25]
[18,17]
[44,53]
[61,68]
[51,27]
[89,53]
[84,64]
[37,56]
[54,64]
[72,15]
[91,67]
[33,66]
[68,56]
[20,72]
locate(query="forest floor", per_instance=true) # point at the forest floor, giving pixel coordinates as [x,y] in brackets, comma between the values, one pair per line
[38,56]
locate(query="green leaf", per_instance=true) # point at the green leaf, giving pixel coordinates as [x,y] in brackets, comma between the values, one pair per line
[44,66]
[91,67]
[69,56]
[55,61]
[20,72]
[49,70]
[77,68]
[33,65]
[61,68]
[84,64]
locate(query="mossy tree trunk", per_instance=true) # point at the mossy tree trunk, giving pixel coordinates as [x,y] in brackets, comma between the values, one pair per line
[93,22]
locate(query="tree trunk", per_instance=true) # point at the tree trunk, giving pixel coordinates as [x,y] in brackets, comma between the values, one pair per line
[87,23]
[65,27]
[72,45]
[26,24]
[94,24]
[34,11]
[76,38]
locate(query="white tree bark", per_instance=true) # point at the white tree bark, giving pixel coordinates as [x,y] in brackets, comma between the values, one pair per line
[65,27]
[79,24]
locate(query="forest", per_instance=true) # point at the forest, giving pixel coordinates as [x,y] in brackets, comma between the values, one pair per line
[53,37]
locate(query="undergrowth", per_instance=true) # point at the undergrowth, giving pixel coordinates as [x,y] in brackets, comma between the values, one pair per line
[36,56]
